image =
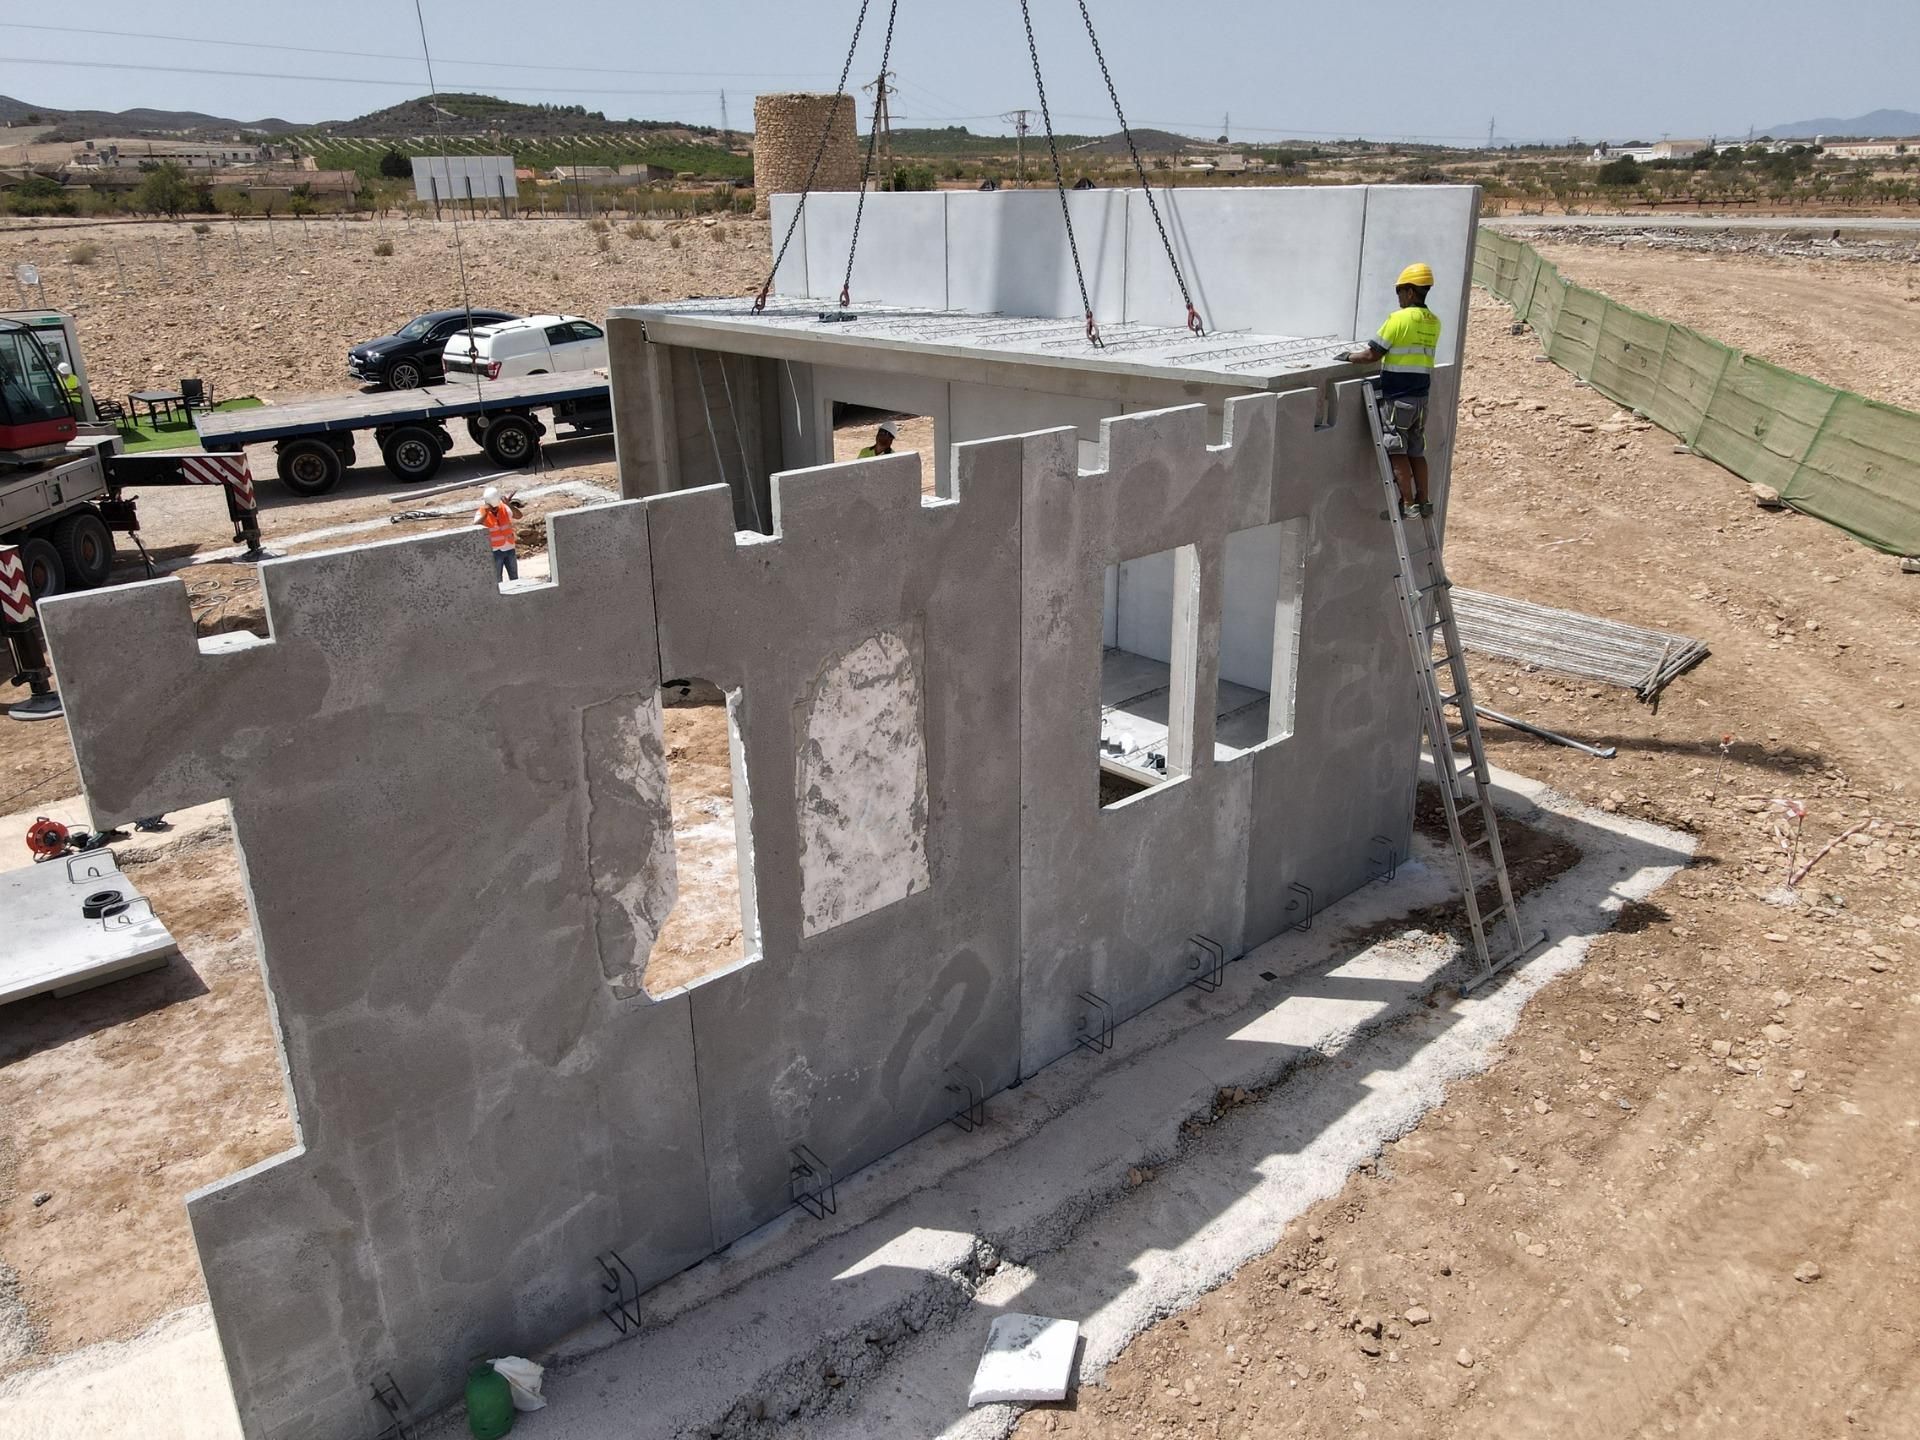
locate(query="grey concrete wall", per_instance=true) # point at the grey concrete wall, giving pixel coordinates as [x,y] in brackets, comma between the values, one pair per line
[452,809]
[432,783]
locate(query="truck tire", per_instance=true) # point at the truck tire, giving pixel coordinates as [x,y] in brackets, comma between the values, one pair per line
[404,375]
[411,452]
[308,466]
[46,573]
[477,429]
[86,549]
[512,441]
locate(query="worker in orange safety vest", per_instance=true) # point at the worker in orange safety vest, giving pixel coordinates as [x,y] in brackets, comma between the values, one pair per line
[496,516]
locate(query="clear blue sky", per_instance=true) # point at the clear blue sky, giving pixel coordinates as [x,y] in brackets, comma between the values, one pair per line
[1440,70]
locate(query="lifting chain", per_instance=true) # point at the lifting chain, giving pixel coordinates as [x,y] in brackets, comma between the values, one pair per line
[866,174]
[1059,181]
[819,151]
[1193,316]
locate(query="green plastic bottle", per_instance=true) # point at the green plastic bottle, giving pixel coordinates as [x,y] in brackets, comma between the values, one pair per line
[489,1402]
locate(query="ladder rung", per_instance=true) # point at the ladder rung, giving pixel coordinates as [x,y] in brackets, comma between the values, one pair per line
[1483,840]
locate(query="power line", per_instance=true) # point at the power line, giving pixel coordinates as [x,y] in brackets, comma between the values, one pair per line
[324,79]
[91,32]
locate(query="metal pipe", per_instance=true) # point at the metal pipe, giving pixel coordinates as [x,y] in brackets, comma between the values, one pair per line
[1606,753]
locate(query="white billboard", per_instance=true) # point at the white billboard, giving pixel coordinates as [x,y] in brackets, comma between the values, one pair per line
[455,178]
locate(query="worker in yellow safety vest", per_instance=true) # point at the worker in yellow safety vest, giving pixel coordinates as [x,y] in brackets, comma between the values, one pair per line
[496,516]
[882,442]
[1405,347]
[70,383]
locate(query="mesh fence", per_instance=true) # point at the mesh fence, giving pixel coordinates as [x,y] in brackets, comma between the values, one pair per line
[1830,453]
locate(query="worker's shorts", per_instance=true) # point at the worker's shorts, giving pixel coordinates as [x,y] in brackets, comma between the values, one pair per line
[506,565]
[1413,436]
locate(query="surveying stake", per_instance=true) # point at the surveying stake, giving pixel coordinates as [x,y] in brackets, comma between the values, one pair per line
[1467,789]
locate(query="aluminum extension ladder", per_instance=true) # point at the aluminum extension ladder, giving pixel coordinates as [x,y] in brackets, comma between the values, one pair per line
[1465,789]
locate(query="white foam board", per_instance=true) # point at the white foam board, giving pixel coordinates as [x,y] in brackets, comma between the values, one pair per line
[1028,1357]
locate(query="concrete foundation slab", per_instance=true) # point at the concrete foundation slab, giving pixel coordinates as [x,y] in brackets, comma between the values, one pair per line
[52,945]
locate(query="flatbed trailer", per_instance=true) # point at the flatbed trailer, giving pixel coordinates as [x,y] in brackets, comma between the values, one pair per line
[315,439]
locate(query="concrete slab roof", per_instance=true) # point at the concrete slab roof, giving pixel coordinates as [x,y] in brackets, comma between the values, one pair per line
[960,345]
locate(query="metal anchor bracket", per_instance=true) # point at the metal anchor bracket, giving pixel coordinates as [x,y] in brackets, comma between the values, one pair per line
[971,1093]
[623,1286]
[810,1183]
[1209,959]
[1302,896]
[386,1394]
[1385,859]
[1095,1027]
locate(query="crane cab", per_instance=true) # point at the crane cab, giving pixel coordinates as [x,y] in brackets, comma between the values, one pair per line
[36,420]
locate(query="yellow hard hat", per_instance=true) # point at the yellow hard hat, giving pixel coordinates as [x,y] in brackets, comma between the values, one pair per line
[1419,273]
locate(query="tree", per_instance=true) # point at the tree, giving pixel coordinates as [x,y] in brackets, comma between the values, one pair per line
[164,191]
[1624,171]
[396,166]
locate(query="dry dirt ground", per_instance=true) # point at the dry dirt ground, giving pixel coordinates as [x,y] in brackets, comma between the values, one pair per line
[1681,1204]
[271,311]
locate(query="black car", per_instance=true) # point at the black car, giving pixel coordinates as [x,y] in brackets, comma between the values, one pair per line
[410,357]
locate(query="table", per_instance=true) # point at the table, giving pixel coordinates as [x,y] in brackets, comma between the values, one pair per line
[160,404]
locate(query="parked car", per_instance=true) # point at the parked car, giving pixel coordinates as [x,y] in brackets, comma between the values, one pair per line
[410,357]
[533,346]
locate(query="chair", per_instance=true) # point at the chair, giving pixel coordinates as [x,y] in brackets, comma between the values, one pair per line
[196,392]
[110,410]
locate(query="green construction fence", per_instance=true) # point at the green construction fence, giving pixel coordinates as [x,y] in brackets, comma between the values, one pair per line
[1831,454]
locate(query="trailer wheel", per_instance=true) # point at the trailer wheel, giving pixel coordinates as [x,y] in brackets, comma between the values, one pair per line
[477,428]
[512,441]
[309,467]
[412,452]
[86,549]
[46,574]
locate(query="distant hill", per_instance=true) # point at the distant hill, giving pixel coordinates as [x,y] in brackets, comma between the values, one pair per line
[89,124]
[1149,142]
[478,115]
[1888,123]
[956,141]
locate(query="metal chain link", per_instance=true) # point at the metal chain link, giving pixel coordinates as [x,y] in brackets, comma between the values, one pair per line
[813,170]
[1193,316]
[1059,180]
[873,139]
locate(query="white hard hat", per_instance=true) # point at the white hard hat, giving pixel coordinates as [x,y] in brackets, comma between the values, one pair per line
[886,428]
[64,368]
[490,495]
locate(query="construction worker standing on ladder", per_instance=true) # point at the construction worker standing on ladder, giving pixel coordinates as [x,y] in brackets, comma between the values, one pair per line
[1405,347]
[496,515]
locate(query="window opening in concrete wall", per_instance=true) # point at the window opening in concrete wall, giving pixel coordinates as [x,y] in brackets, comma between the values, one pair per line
[713,924]
[856,427]
[1149,618]
[1264,583]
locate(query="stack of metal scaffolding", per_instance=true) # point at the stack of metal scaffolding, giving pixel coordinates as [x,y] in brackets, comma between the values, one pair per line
[1569,643]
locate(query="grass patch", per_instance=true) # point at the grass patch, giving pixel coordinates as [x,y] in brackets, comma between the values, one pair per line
[146,436]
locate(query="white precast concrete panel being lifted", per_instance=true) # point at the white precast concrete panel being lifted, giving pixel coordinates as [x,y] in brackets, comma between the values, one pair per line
[464,177]
[1277,260]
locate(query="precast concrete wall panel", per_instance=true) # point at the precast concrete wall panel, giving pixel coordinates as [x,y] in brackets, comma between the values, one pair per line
[840,1037]
[1405,223]
[1273,261]
[481,1109]
[1007,252]
[1347,773]
[903,245]
[1110,896]
[792,276]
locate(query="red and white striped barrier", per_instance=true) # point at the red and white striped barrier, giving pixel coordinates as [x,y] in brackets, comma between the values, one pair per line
[229,470]
[16,600]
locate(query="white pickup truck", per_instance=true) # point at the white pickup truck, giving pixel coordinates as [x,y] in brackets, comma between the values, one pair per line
[537,345]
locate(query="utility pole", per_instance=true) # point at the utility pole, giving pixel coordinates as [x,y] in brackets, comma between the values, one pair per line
[1490,120]
[1018,119]
[726,130]
[882,87]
